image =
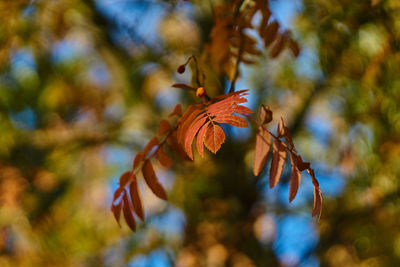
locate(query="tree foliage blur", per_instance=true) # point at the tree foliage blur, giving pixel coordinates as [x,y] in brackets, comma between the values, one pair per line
[84,84]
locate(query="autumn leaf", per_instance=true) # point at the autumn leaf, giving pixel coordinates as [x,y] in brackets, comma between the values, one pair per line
[163,158]
[295,177]
[116,210]
[152,181]
[130,220]
[124,178]
[163,128]
[214,138]
[263,144]
[278,160]
[152,143]
[135,198]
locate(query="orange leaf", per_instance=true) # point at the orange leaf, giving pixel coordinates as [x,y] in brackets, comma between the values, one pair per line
[263,145]
[190,134]
[130,220]
[177,110]
[186,121]
[124,178]
[164,127]
[214,138]
[242,110]
[152,143]
[138,159]
[232,120]
[278,160]
[152,181]
[295,177]
[172,141]
[200,138]
[116,210]
[163,158]
[183,86]
[135,197]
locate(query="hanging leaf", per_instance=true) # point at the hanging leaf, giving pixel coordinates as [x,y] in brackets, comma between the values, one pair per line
[124,178]
[317,205]
[152,143]
[135,198]
[295,177]
[232,120]
[270,32]
[130,220]
[214,138]
[164,127]
[163,158]
[138,159]
[117,194]
[278,46]
[172,141]
[263,145]
[152,181]
[200,139]
[278,160]
[190,134]
[116,210]
[294,47]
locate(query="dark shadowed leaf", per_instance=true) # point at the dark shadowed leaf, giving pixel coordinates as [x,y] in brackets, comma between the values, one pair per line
[278,160]
[135,198]
[295,177]
[130,220]
[152,181]
[163,158]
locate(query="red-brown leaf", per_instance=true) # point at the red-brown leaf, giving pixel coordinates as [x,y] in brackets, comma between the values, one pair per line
[152,181]
[232,120]
[117,193]
[263,145]
[116,210]
[200,138]
[152,143]
[124,178]
[177,110]
[214,138]
[294,47]
[242,110]
[278,160]
[164,127]
[281,128]
[270,33]
[186,120]
[191,133]
[138,159]
[163,158]
[278,46]
[295,177]
[130,220]
[172,141]
[135,197]
[183,86]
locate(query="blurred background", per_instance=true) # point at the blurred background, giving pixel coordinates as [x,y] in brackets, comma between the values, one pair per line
[84,84]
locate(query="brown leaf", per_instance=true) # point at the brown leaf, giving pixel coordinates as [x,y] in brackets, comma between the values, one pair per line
[317,205]
[183,86]
[116,210]
[164,127]
[177,110]
[214,138]
[277,48]
[191,133]
[124,178]
[163,158]
[152,181]
[281,128]
[294,47]
[138,159]
[278,160]
[295,177]
[117,193]
[135,197]
[130,220]
[265,114]
[232,120]
[152,143]
[200,139]
[270,32]
[263,145]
